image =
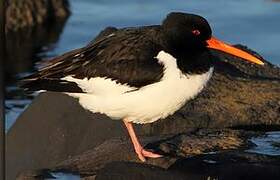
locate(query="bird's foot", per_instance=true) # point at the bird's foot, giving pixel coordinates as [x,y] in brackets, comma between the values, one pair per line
[140,151]
[143,154]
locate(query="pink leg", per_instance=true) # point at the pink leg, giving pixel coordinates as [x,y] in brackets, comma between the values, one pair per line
[142,153]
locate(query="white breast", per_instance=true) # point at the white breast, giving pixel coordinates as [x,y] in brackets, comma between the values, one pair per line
[144,105]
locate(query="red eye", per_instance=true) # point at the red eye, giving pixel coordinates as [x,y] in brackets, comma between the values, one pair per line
[196,32]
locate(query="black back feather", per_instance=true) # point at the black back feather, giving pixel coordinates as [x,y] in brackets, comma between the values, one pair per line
[126,56]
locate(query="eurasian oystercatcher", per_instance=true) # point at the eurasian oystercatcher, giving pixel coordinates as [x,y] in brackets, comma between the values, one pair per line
[138,75]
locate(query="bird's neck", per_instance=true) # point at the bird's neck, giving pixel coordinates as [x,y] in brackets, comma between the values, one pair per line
[191,58]
[193,61]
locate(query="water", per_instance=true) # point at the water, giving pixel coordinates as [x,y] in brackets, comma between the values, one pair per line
[251,22]
[254,23]
[268,144]
[64,176]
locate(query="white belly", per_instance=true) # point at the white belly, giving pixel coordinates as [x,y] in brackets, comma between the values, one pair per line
[144,105]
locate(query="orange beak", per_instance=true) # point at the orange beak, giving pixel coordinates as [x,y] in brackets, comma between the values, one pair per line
[214,43]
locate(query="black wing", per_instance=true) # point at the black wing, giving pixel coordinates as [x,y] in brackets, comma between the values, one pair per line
[126,56]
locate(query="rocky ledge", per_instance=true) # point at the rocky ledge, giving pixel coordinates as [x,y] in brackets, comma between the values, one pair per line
[207,138]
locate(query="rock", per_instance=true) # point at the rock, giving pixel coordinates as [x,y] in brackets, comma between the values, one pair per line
[136,171]
[187,156]
[174,147]
[52,138]
[240,95]
[224,166]
[34,174]
[229,166]
[29,13]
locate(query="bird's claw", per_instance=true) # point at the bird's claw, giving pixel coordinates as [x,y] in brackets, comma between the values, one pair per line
[143,154]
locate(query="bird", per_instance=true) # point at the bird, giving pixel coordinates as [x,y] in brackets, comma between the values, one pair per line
[138,74]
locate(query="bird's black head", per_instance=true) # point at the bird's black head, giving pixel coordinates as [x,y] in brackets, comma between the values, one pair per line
[186,31]
[189,37]
[186,36]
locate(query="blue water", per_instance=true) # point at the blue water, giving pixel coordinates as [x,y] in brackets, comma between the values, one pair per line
[254,23]
[64,176]
[251,22]
[268,144]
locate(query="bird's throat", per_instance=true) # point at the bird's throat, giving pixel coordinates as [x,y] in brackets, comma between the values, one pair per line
[194,62]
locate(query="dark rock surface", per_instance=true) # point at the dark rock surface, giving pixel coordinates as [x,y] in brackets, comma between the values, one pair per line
[187,156]
[44,138]
[230,165]
[183,145]
[55,131]
[29,13]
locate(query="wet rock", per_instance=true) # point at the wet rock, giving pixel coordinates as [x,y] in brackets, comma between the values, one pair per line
[29,13]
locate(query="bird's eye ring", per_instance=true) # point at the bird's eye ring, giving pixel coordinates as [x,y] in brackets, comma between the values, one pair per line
[196,32]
